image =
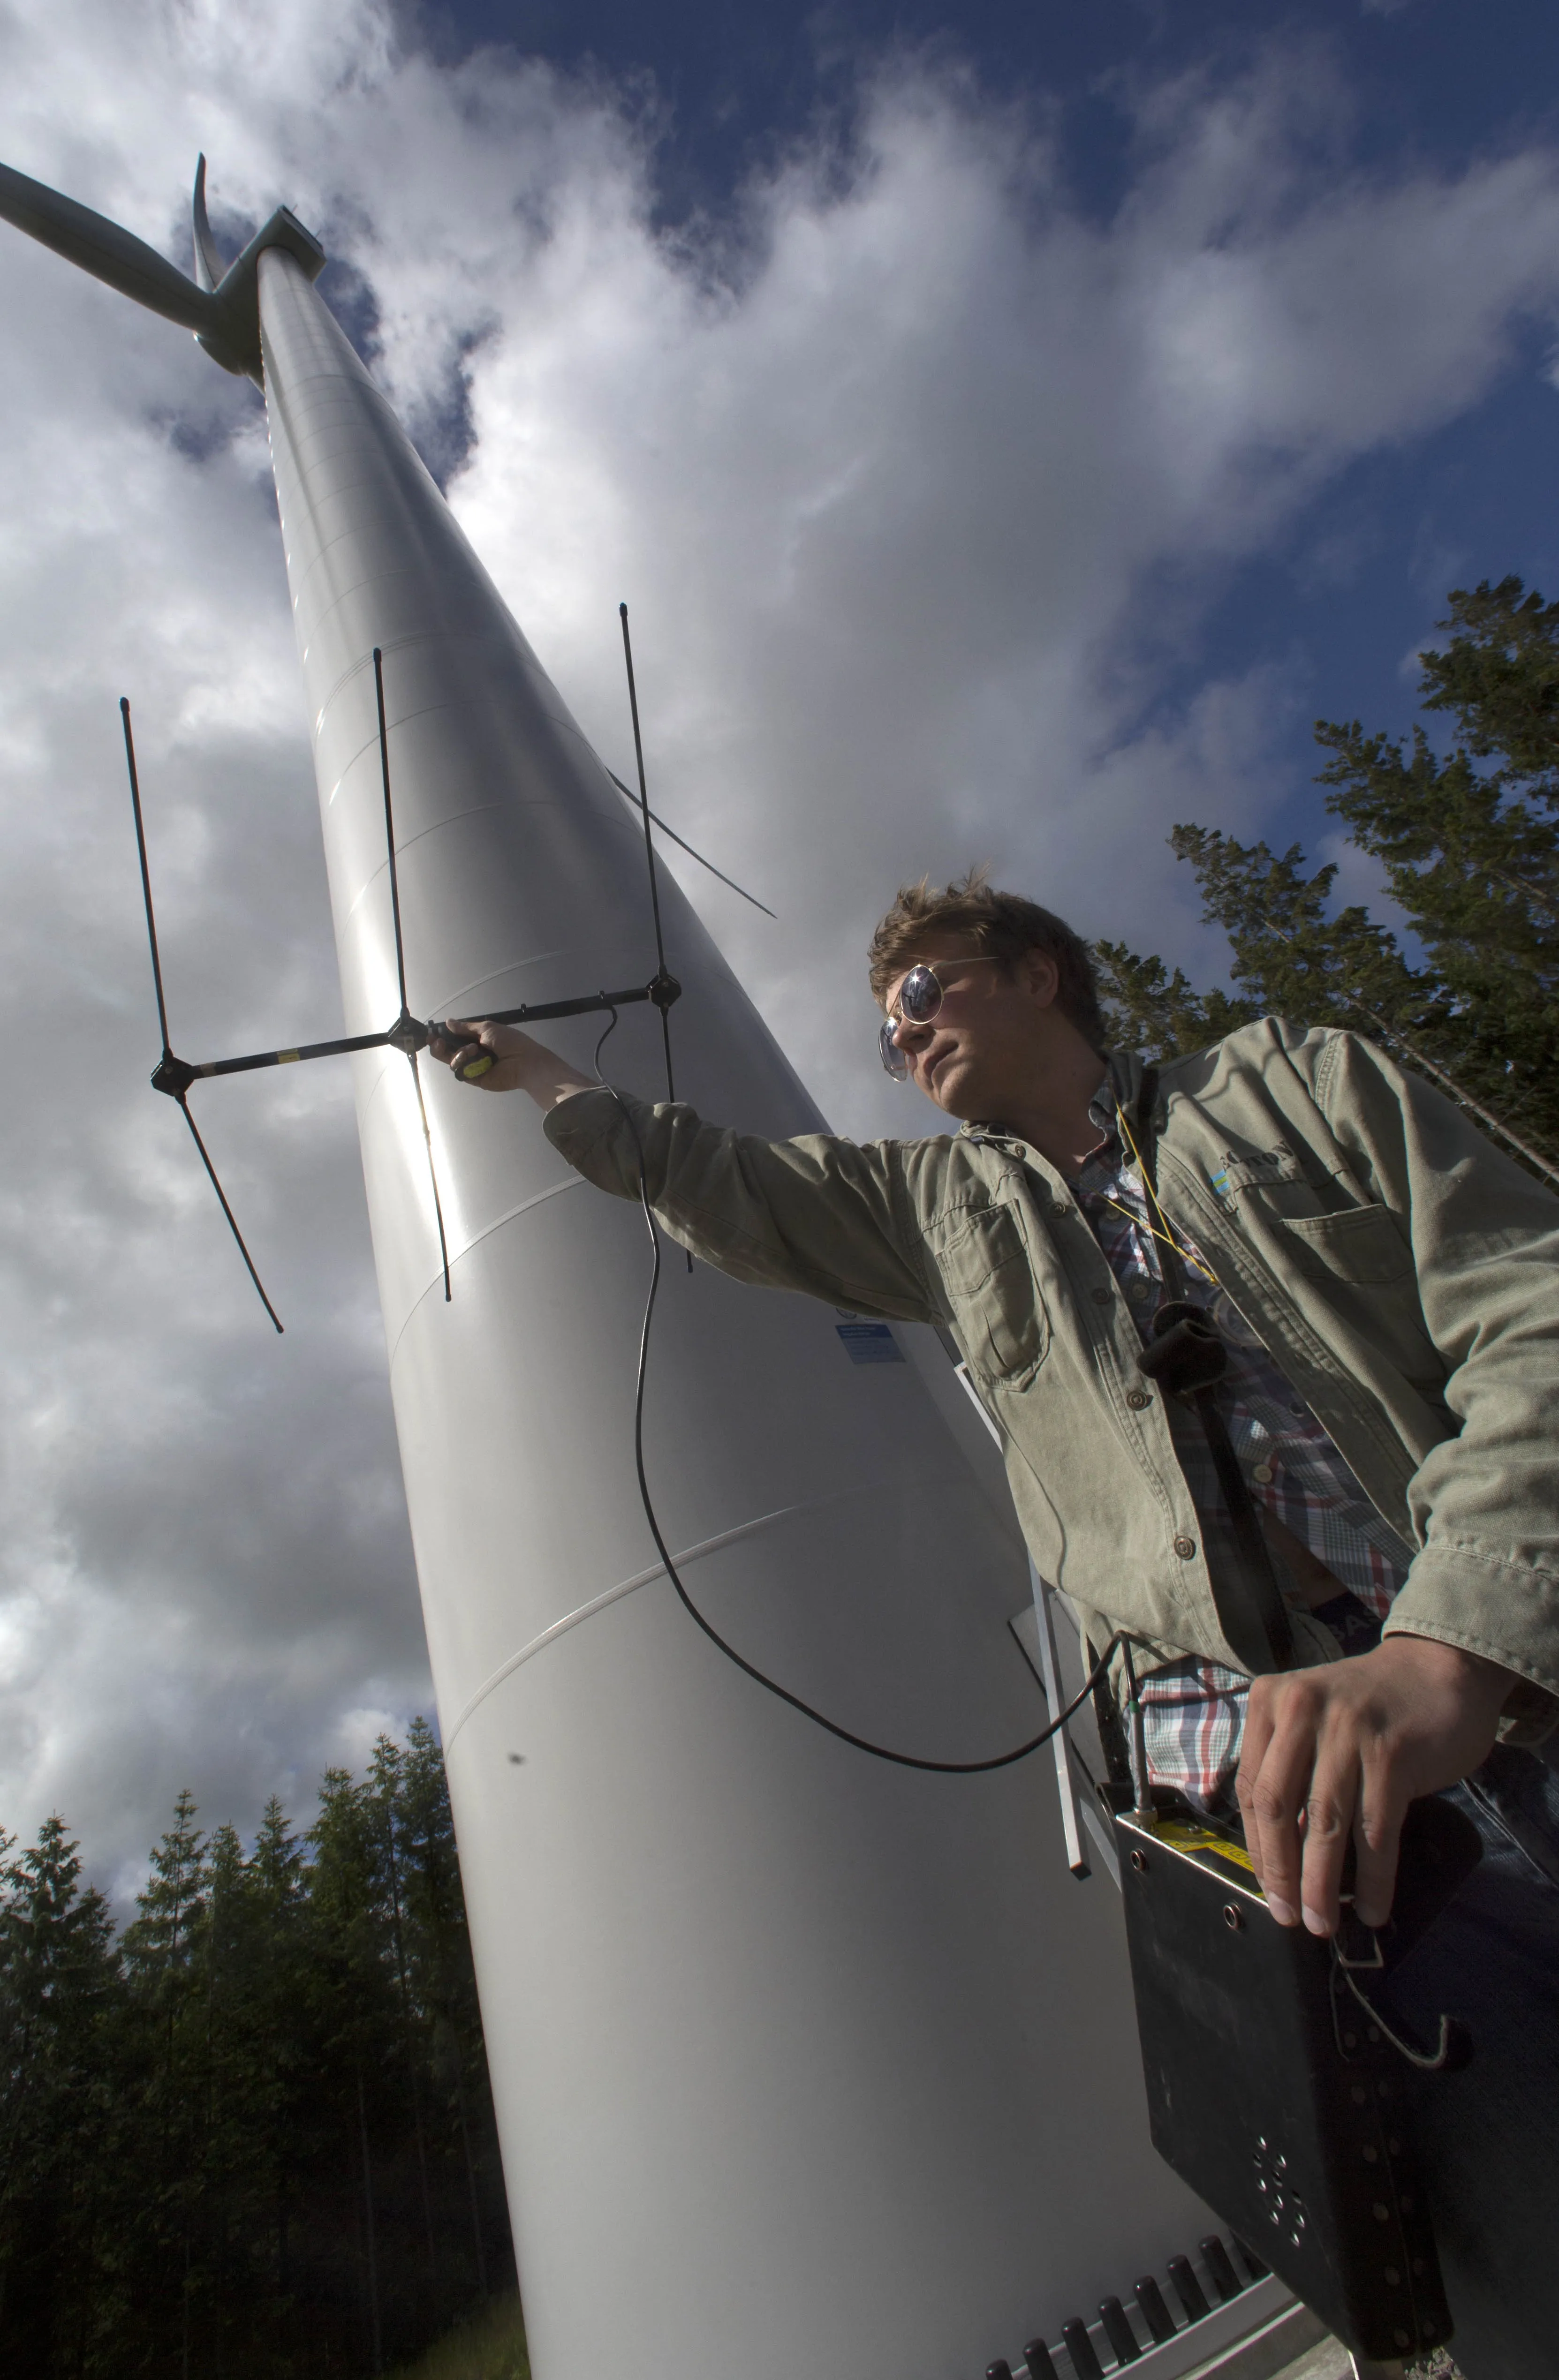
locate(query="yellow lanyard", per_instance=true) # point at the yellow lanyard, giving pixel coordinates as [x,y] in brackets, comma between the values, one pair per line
[1186,1254]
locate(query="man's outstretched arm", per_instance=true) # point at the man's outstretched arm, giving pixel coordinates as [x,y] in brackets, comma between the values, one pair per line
[817,1214]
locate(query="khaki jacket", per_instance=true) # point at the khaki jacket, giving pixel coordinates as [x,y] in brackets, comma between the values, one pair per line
[1402,1272]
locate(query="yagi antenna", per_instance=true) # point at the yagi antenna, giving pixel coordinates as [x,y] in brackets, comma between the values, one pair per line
[410,1035]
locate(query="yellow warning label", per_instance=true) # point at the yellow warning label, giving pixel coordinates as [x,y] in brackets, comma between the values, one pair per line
[1183,1838]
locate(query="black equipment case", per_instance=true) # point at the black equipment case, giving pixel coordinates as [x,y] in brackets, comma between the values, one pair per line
[1270,2089]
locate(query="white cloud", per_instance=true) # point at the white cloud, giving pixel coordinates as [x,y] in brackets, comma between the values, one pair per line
[917,482]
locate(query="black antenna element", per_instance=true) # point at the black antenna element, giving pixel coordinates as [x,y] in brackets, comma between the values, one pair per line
[661,975]
[683,844]
[172,1075]
[406,1034]
[389,824]
[668,985]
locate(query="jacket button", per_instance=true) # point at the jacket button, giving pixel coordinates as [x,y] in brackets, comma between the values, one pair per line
[1264,1473]
[1102,1298]
[1185,1547]
[1138,1398]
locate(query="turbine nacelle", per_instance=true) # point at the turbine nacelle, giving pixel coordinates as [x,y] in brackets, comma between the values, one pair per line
[222,307]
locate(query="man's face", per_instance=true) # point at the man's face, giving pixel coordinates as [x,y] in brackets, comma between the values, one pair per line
[979,1056]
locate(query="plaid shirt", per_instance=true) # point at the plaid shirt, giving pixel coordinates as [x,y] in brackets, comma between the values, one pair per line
[1194,1710]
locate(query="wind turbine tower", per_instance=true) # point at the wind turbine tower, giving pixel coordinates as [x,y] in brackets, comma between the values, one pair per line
[807,2068]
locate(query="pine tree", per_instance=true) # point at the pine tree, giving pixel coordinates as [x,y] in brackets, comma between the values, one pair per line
[254,2139]
[161,1953]
[355,1943]
[1499,674]
[1149,1009]
[444,1978]
[1471,852]
[277,2027]
[160,1943]
[59,1998]
[387,1773]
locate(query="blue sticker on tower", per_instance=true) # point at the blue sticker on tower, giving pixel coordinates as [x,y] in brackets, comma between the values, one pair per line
[870,1342]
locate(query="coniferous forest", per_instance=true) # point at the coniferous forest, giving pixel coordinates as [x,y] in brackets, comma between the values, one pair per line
[249,2137]
[1467,842]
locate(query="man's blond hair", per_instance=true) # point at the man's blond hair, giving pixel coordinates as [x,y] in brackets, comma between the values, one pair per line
[996,925]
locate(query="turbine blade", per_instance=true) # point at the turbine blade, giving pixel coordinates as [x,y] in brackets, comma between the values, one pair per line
[105,249]
[209,267]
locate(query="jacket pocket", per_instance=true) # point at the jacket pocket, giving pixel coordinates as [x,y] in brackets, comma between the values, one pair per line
[1360,1251]
[995,1309]
[1360,1244]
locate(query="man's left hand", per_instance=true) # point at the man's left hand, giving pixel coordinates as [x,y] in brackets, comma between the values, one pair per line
[1340,1751]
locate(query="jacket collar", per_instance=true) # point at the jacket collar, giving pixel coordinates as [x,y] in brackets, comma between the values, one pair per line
[1122,1088]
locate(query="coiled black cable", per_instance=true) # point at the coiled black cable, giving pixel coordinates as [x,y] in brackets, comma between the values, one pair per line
[860,1744]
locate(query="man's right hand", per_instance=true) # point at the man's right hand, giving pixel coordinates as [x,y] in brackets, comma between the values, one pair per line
[513,1062]
[1340,1750]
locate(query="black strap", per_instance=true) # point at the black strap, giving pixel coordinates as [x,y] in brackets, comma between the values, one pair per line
[1186,1358]
[1112,1729]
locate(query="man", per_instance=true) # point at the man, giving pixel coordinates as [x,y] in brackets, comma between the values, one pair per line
[1386,1289]
[1400,1274]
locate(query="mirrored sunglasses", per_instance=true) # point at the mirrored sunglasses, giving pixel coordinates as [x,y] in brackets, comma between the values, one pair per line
[919,998]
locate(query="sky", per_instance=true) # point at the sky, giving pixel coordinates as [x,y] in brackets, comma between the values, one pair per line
[1011,428]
